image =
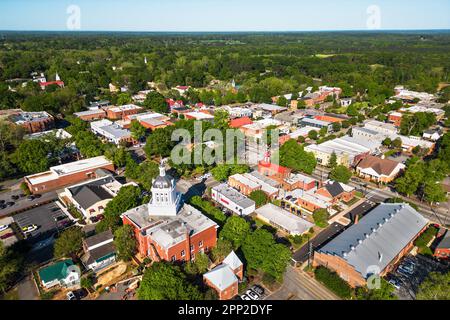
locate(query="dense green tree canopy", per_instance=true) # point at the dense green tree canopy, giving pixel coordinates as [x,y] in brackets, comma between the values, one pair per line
[165,281]
[68,243]
[235,230]
[263,253]
[125,242]
[292,155]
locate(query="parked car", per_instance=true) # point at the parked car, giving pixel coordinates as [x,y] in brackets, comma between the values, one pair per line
[10,204]
[395,283]
[6,236]
[30,228]
[71,296]
[2,206]
[37,196]
[2,201]
[258,289]
[252,294]
[3,227]
[15,197]
[31,198]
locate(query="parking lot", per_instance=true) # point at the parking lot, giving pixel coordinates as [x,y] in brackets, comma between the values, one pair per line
[15,201]
[409,282]
[44,217]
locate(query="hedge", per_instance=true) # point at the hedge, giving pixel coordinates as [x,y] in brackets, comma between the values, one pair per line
[333,282]
[209,210]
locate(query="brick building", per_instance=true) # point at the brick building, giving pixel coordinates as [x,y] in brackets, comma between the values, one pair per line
[66,174]
[166,229]
[337,191]
[33,121]
[272,170]
[91,115]
[120,112]
[225,278]
[374,245]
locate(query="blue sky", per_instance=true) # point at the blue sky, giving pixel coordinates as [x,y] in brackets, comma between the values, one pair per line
[223,15]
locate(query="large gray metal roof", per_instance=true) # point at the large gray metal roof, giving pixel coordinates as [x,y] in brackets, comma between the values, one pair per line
[378,237]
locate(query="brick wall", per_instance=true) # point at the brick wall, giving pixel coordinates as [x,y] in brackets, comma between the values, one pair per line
[66,180]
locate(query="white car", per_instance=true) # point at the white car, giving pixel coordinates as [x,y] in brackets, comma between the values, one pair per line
[3,227]
[71,296]
[252,294]
[29,228]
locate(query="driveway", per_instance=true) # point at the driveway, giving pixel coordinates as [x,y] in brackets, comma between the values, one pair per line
[27,289]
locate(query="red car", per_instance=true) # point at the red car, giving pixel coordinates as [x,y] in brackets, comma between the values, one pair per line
[6,236]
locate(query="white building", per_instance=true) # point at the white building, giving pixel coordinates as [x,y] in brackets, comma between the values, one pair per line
[232,200]
[112,132]
[283,220]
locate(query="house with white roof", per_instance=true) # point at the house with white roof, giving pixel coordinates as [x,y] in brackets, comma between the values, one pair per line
[224,278]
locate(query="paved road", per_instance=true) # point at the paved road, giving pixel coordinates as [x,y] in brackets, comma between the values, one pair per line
[301,255]
[298,285]
[439,214]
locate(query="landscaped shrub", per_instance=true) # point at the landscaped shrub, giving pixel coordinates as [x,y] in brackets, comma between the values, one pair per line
[209,210]
[333,282]
[424,239]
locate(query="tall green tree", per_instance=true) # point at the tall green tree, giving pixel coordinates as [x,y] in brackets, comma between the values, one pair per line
[164,281]
[235,230]
[263,253]
[435,287]
[125,243]
[68,243]
[156,102]
[341,174]
[292,155]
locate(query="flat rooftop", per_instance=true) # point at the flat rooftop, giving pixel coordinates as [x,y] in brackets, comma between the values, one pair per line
[168,231]
[68,169]
[286,220]
[234,195]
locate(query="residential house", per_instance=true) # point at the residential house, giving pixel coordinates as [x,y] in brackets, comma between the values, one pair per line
[336,191]
[442,249]
[99,251]
[379,170]
[91,197]
[225,278]
[64,273]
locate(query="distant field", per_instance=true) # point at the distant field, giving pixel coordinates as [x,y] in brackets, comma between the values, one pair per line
[324,56]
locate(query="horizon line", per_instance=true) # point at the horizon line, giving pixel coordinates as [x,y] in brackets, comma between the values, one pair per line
[223,31]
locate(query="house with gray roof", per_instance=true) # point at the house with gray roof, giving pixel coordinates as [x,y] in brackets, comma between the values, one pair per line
[91,197]
[373,245]
[99,251]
